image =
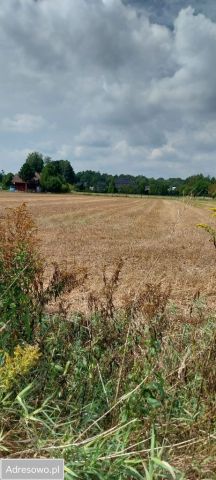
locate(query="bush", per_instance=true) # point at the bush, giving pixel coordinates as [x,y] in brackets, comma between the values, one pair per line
[53,184]
[65,188]
[23,290]
[20,273]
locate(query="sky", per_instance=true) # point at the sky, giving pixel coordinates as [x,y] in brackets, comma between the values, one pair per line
[118,86]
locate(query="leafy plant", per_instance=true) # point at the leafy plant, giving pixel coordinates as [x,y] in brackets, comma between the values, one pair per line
[23,290]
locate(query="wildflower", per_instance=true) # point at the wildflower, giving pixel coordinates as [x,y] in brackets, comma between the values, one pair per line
[17,365]
[210,230]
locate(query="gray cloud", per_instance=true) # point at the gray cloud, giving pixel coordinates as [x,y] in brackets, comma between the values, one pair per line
[109,87]
[165,11]
[22,123]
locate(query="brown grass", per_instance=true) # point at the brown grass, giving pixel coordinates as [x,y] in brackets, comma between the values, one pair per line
[156,238]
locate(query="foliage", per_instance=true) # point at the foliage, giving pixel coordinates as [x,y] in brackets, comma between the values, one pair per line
[196,185]
[111,186]
[1,175]
[52,184]
[56,175]
[94,181]
[142,184]
[23,289]
[66,170]
[36,161]
[51,180]
[7,180]
[27,172]
[20,267]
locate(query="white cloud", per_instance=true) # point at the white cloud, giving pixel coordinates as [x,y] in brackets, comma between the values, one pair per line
[163,151]
[22,123]
[106,87]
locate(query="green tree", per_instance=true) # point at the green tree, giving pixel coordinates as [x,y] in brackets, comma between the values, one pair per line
[54,184]
[50,169]
[47,159]
[27,172]
[1,175]
[51,180]
[197,185]
[35,160]
[127,189]
[66,171]
[141,186]
[201,187]
[7,180]
[111,186]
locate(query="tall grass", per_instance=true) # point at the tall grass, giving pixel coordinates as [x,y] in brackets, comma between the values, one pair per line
[121,392]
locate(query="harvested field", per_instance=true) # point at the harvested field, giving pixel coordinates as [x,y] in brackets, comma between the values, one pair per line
[157,239]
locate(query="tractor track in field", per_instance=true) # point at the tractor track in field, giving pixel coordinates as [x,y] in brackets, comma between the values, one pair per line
[157,239]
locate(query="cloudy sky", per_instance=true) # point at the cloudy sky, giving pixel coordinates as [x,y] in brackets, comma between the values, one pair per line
[120,86]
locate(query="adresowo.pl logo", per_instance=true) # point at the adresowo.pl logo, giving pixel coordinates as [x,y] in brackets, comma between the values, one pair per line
[32,469]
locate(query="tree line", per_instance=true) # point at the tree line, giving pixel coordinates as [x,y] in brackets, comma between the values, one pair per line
[58,176]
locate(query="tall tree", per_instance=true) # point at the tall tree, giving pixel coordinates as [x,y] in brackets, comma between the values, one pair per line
[111,186]
[1,175]
[67,171]
[35,160]
[51,179]
[7,180]
[141,186]
[27,172]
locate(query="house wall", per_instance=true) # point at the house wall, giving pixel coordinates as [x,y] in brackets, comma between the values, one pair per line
[21,187]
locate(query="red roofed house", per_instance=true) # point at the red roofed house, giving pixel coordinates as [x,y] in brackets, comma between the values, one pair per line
[21,186]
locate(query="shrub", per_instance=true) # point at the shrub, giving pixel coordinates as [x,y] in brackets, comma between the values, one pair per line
[21,271]
[52,184]
[23,290]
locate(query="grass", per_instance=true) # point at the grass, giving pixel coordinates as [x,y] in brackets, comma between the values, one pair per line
[122,389]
